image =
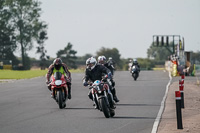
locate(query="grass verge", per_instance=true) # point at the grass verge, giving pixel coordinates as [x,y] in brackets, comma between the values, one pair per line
[10,74]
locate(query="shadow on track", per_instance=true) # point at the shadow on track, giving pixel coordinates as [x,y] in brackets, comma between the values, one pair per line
[79,108]
[131,117]
[136,105]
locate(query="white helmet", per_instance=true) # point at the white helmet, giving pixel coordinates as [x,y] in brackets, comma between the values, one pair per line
[91,63]
[102,59]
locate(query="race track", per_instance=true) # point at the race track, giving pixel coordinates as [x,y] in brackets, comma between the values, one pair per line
[26,106]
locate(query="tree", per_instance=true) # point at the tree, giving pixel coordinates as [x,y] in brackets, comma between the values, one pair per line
[7,39]
[81,60]
[26,23]
[41,50]
[146,63]
[159,54]
[86,56]
[114,53]
[196,57]
[68,55]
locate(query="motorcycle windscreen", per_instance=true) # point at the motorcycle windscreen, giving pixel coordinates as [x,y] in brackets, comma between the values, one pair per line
[101,86]
[134,68]
[57,75]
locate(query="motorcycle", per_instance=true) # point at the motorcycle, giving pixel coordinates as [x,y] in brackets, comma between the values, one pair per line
[135,72]
[59,89]
[103,97]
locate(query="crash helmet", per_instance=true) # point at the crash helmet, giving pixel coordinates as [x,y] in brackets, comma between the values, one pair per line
[102,59]
[57,63]
[91,63]
[134,60]
[110,58]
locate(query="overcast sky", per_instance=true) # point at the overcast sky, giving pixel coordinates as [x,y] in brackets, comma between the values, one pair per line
[127,25]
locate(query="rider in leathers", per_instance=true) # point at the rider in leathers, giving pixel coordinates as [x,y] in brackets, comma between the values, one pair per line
[102,61]
[59,66]
[94,72]
[135,63]
[109,64]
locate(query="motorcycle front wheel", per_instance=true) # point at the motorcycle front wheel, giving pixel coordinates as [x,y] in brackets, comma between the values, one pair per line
[60,99]
[135,76]
[104,107]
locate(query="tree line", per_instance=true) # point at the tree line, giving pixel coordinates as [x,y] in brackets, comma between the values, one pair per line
[22,29]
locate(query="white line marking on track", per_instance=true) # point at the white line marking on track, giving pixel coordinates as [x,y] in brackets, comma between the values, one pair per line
[162,106]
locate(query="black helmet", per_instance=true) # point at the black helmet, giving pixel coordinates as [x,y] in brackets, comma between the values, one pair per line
[57,63]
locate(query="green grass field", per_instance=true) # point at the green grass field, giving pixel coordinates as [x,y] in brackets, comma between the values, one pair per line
[10,74]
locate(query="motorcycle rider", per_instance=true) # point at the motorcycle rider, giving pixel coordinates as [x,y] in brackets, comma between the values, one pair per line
[59,66]
[135,63]
[102,61]
[94,72]
[130,65]
[109,64]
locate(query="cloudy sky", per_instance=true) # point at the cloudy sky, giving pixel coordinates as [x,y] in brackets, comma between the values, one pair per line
[127,25]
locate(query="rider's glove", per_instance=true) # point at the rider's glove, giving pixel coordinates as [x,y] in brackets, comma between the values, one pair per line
[85,83]
[69,79]
[109,75]
[48,82]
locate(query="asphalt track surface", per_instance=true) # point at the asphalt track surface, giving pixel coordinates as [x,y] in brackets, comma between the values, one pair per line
[26,106]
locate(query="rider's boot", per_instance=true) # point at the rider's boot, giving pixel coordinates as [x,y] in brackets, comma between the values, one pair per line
[69,90]
[64,105]
[49,87]
[51,94]
[114,95]
[90,95]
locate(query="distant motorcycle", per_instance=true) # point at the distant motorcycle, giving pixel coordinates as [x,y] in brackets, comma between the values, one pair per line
[135,72]
[103,97]
[59,89]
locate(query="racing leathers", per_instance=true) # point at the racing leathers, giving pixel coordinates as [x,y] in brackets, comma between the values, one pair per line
[137,65]
[64,70]
[96,74]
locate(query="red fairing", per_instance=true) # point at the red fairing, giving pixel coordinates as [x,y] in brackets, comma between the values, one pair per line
[106,86]
[53,85]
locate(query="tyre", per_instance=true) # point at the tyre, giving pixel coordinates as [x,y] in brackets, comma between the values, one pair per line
[60,99]
[135,76]
[96,102]
[104,107]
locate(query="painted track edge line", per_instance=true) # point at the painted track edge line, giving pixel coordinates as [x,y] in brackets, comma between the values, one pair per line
[162,106]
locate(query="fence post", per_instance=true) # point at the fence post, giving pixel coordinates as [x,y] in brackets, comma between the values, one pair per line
[181,86]
[178,110]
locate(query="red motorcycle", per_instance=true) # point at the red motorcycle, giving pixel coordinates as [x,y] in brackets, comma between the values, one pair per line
[59,89]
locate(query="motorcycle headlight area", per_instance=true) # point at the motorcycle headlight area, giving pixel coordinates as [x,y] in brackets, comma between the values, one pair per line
[58,82]
[97,88]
